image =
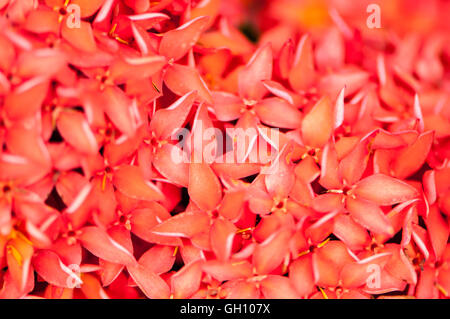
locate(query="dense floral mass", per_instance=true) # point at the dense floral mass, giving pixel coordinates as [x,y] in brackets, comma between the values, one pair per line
[349,99]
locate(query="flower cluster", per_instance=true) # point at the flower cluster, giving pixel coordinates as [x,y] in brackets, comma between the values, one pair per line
[350,102]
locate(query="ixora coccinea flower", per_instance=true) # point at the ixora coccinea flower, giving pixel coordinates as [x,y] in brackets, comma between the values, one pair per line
[224,149]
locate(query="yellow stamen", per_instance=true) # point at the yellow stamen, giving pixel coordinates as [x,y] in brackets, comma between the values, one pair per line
[55,114]
[288,158]
[335,191]
[303,253]
[240,231]
[66,3]
[392,213]
[24,238]
[236,182]
[285,264]
[323,243]
[121,40]
[442,290]
[369,147]
[15,253]
[111,33]
[238,263]
[257,278]
[14,234]
[175,251]
[155,87]
[323,293]
[210,79]
[104,182]
[113,29]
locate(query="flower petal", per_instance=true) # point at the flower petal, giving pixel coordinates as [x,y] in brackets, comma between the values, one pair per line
[158,259]
[48,265]
[302,73]
[81,38]
[227,106]
[186,224]
[350,232]
[302,276]
[143,221]
[75,129]
[181,79]
[117,105]
[329,175]
[357,274]
[317,125]
[352,166]
[176,43]
[187,280]
[411,158]
[102,245]
[26,99]
[204,186]
[278,287]
[438,230]
[370,216]
[166,121]
[276,112]
[152,285]
[269,254]
[170,161]
[88,7]
[258,68]
[221,236]
[229,270]
[130,181]
[384,190]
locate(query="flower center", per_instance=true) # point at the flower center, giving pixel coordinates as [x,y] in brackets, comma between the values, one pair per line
[311,95]
[212,292]
[279,205]
[71,233]
[71,236]
[6,189]
[214,213]
[104,80]
[108,132]
[154,142]
[13,79]
[248,105]
[346,190]
[123,219]
[246,233]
